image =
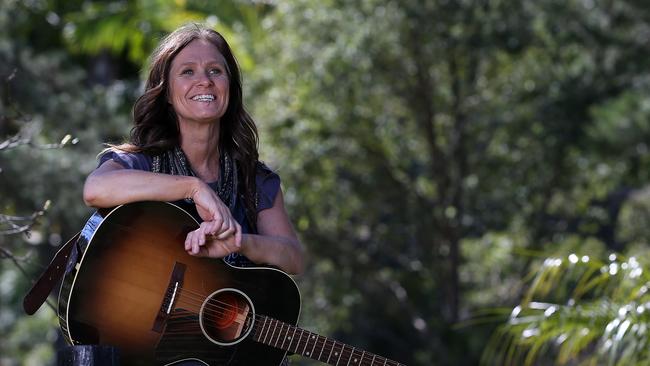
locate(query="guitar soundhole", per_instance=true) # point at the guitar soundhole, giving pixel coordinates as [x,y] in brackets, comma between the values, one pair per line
[227,316]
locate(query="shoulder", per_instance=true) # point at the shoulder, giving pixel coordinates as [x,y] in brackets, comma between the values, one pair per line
[268,185]
[263,171]
[127,159]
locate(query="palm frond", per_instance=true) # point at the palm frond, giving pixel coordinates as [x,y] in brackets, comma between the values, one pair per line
[579,310]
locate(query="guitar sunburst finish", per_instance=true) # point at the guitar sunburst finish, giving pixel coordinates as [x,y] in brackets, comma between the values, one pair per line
[133,286]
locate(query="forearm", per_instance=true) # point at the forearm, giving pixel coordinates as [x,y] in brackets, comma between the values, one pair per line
[284,253]
[121,186]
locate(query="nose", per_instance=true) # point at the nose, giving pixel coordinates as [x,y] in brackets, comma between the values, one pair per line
[204,78]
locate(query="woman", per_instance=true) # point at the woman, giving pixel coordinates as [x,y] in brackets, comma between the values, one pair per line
[193,140]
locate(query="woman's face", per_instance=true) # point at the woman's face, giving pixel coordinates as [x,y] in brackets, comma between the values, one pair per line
[198,83]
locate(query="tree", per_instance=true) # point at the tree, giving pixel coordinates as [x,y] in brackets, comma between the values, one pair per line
[72,70]
[413,132]
[44,103]
[379,110]
[424,145]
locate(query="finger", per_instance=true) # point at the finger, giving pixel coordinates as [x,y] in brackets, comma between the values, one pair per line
[205,226]
[230,231]
[196,239]
[218,220]
[238,235]
[201,239]
[232,224]
[203,252]
[215,227]
[188,241]
[219,230]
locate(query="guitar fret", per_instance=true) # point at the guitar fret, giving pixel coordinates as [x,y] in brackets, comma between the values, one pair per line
[292,338]
[322,348]
[279,335]
[302,331]
[262,330]
[267,331]
[275,327]
[284,338]
[277,338]
[350,358]
[340,353]
[330,354]
[306,343]
[312,348]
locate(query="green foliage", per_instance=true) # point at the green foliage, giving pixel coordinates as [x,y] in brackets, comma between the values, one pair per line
[372,123]
[601,319]
[48,95]
[44,101]
[31,338]
[431,153]
[406,131]
[132,27]
[634,218]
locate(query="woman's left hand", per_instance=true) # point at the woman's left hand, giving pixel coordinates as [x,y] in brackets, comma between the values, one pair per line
[203,243]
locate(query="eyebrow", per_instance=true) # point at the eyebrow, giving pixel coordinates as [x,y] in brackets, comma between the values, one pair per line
[221,62]
[188,63]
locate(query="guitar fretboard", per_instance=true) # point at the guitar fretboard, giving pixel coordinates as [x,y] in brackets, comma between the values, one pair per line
[287,337]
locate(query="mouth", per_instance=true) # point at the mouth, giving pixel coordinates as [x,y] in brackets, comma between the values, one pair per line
[203,98]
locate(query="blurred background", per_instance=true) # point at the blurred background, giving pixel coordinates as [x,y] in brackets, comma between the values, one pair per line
[470,178]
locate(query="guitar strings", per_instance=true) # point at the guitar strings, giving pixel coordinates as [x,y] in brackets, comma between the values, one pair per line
[190,327]
[345,351]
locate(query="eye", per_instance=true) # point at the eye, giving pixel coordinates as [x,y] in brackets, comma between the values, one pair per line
[187,72]
[215,71]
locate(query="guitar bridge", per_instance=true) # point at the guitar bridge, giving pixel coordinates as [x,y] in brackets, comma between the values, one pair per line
[173,288]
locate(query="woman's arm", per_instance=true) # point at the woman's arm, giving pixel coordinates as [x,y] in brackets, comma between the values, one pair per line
[276,244]
[111,185]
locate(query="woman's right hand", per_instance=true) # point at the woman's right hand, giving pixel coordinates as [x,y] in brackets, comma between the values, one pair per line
[218,220]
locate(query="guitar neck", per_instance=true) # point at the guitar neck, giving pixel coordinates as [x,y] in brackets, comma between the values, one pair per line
[290,338]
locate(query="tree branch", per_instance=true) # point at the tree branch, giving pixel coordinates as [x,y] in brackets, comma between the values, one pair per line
[16,222]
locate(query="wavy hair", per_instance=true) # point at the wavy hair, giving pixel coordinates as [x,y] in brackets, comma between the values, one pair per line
[156,126]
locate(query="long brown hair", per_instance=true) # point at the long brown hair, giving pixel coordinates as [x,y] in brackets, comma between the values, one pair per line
[155,123]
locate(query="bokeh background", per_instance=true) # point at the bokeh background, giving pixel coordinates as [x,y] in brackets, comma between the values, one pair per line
[470,178]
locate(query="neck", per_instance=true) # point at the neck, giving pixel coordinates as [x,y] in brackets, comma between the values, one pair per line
[200,143]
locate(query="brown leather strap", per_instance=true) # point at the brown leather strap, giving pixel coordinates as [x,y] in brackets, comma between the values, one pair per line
[45,283]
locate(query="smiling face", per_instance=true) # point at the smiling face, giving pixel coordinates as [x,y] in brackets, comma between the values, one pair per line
[199,83]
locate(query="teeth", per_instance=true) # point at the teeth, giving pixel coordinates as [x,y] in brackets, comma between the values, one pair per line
[203,98]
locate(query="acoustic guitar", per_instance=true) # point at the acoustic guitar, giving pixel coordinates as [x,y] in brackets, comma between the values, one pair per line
[133,286]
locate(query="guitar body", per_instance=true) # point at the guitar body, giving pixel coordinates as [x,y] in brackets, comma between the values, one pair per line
[133,286]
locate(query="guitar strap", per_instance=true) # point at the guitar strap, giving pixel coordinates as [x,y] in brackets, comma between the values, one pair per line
[49,278]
